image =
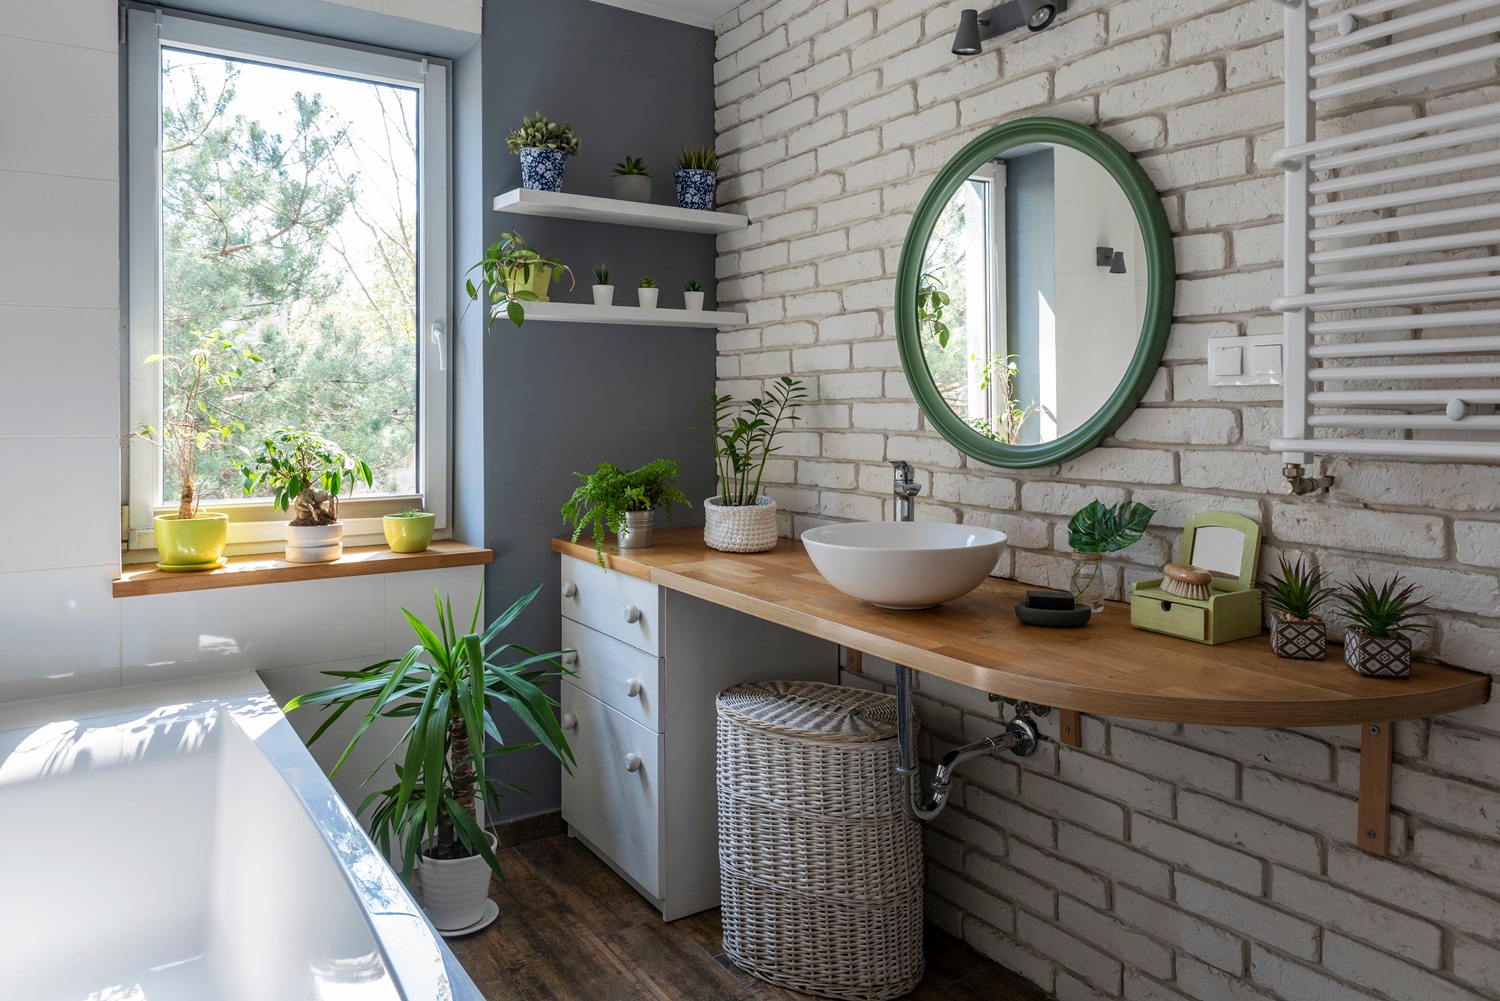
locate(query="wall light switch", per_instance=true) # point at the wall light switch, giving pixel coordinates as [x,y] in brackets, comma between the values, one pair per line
[1245,361]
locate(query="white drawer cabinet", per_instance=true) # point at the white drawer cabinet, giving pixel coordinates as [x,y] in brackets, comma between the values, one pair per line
[654,817]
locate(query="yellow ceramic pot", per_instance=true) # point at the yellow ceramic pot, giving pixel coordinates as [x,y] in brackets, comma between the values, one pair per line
[409,533]
[191,542]
[541,277]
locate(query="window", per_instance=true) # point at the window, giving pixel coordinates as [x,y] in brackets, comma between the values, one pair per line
[289,196]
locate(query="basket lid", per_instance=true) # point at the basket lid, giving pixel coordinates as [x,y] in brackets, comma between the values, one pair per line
[812,710]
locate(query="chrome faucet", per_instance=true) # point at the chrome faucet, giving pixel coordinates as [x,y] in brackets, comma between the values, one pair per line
[905,489]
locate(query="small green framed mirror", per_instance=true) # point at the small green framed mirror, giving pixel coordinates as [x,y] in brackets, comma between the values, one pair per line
[1035,292]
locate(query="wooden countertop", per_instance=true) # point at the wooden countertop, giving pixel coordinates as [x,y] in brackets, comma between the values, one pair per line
[1108,667]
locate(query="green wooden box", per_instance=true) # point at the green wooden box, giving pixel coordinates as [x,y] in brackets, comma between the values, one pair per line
[1228,546]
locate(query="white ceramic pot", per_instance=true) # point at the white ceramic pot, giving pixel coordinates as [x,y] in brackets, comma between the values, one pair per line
[648,297]
[314,543]
[692,300]
[604,295]
[750,528]
[454,890]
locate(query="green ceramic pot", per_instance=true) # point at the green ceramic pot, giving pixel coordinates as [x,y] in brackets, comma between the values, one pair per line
[541,277]
[195,542]
[409,534]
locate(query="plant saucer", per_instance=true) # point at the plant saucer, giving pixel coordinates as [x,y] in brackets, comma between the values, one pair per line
[192,567]
[490,913]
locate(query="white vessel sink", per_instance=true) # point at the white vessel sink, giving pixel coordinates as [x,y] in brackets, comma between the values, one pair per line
[910,564]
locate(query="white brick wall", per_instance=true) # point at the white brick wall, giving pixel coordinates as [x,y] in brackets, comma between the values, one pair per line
[1159,862]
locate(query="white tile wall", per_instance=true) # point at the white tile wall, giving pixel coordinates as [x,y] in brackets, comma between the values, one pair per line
[40,384]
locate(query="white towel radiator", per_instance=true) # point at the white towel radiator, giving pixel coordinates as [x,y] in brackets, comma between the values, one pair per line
[1392,232]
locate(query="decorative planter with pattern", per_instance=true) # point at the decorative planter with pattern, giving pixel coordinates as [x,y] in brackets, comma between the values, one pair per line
[1377,656]
[750,528]
[1299,639]
[695,189]
[542,169]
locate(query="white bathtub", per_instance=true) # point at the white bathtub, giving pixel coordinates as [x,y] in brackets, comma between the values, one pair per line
[177,842]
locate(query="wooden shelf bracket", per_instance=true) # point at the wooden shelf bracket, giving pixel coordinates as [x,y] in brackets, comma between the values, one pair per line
[1374,834]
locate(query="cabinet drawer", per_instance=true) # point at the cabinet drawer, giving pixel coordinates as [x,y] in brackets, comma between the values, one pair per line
[616,809]
[1174,618]
[624,678]
[616,604]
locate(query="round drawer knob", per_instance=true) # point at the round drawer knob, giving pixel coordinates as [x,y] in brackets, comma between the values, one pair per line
[632,762]
[632,688]
[569,721]
[570,658]
[569,589]
[632,614]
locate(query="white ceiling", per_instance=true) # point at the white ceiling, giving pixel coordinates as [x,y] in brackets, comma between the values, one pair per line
[701,13]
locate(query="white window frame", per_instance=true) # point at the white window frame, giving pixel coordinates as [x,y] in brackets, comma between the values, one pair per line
[255,526]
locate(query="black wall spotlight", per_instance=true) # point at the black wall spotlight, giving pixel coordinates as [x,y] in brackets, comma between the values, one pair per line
[974,27]
[1109,257]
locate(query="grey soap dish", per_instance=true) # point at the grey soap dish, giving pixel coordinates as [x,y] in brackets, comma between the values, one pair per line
[1044,608]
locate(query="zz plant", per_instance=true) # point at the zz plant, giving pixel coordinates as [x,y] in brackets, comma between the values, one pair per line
[441,691]
[608,493]
[305,473]
[745,439]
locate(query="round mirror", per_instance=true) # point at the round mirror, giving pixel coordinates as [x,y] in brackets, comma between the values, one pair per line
[1035,292]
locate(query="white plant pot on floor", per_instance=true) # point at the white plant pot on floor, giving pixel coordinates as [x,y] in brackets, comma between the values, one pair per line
[314,543]
[455,891]
[750,528]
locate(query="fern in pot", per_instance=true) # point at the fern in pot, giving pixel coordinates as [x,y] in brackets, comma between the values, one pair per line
[544,148]
[440,691]
[611,499]
[1380,616]
[740,519]
[306,474]
[1094,531]
[1294,596]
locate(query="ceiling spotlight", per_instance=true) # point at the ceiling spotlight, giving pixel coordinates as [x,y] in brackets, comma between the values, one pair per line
[974,27]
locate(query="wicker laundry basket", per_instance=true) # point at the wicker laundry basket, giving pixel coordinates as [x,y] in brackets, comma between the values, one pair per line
[821,872]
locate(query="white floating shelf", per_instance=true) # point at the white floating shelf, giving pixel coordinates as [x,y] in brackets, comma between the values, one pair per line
[579,312]
[560,205]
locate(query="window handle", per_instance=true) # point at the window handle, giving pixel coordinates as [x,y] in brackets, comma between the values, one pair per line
[436,336]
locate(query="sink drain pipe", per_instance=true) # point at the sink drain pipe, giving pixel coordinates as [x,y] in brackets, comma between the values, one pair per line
[1020,736]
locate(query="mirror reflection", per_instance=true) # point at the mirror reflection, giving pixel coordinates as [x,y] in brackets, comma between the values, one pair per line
[1032,294]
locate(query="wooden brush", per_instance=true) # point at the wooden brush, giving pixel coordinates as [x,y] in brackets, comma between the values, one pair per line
[1187,582]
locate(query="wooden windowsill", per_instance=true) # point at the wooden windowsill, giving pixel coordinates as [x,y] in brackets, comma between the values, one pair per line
[243,571]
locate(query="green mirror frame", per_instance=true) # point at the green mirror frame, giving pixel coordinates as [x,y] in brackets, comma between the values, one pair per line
[1160,295]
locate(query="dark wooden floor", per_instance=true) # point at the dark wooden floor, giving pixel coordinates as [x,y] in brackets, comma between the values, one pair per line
[571,930]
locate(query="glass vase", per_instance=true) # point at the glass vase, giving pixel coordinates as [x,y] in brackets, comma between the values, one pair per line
[1087,583]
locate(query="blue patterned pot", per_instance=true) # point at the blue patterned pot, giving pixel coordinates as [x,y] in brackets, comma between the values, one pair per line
[695,189]
[542,169]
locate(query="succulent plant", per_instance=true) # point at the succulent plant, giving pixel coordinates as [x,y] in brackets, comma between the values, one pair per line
[1382,609]
[632,165]
[693,286]
[1297,590]
[698,158]
[601,274]
[536,132]
[648,282]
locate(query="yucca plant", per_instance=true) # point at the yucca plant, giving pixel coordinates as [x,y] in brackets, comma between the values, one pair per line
[698,158]
[1382,610]
[743,441]
[1297,590]
[536,132]
[442,689]
[631,165]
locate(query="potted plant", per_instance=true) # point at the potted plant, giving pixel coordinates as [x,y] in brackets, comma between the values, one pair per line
[692,295]
[1293,595]
[306,473]
[409,531]
[697,176]
[1095,530]
[440,691]
[613,500]
[544,148]
[190,429]
[511,274]
[632,180]
[647,291]
[1375,644]
[604,292]
[740,519]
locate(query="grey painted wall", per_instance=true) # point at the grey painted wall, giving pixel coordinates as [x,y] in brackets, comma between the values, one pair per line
[564,397]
